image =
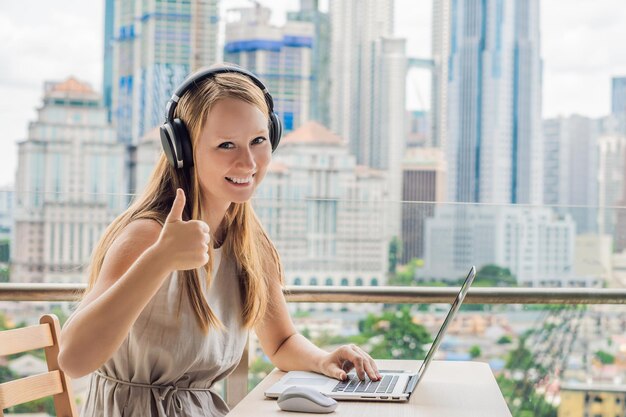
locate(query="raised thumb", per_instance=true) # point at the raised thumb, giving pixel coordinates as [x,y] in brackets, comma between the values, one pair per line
[176,213]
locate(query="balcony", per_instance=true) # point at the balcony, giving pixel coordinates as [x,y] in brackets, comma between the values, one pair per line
[553,321]
[237,384]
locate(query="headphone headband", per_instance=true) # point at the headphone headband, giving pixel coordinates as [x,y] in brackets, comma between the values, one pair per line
[194,79]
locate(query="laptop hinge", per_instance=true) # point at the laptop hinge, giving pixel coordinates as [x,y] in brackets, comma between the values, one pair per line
[410,385]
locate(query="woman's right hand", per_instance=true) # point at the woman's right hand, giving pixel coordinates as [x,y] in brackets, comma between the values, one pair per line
[186,244]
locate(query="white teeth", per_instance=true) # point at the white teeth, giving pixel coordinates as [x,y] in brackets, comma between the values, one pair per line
[240,180]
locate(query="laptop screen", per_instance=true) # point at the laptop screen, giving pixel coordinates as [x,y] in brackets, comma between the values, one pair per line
[442,330]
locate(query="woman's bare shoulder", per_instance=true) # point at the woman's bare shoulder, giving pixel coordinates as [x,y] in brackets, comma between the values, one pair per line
[142,229]
[131,242]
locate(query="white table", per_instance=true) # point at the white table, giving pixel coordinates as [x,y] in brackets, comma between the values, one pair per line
[449,389]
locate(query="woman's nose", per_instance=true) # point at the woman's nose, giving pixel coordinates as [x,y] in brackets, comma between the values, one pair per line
[246,159]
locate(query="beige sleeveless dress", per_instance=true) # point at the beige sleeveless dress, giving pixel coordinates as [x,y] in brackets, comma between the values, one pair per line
[167,365]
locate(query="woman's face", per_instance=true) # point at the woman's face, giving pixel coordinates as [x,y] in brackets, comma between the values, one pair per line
[232,152]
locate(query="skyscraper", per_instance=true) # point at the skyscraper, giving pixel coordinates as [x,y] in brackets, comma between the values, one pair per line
[6,223]
[440,50]
[571,169]
[611,167]
[279,56]
[107,72]
[320,59]
[155,46]
[358,88]
[424,181]
[368,89]
[618,96]
[493,143]
[70,184]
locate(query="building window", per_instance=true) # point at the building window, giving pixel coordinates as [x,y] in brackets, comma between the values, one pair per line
[359,282]
[374,282]
[329,281]
[313,281]
[297,281]
[344,282]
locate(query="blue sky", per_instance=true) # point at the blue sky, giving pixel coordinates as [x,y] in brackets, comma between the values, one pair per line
[582,47]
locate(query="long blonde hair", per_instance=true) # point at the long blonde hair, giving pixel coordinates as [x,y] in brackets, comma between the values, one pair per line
[246,239]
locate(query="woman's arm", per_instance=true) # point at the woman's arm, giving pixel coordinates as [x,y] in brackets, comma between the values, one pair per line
[136,264]
[289,350]
[131,274]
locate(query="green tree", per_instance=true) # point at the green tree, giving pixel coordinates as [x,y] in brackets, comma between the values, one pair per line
[42,405]
[506,339]
[394,335]
[4,274]
[526,406]
[604,357]
[406,276]
[521,358]
[475,351]
[5,244]
[494,276]
[58,311]
[395,252]
[6,374]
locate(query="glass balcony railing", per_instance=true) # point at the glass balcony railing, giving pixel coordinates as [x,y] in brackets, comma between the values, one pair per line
[546,310]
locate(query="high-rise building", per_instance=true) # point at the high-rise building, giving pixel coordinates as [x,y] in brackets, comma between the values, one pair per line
[155,46]
[611,155]
[320,59]
[149,150]
[440,50]
[6,223]
[534,243]
[620,216]
[493,142]
[357,28]
[571,169]
[326,215]
[368,90]
[423,184]
[70,184]
[279,56]
[418,129]
[6,211]
[107,72]
[618,96]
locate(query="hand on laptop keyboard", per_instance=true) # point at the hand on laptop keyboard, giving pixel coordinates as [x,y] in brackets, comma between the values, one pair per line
[354,384]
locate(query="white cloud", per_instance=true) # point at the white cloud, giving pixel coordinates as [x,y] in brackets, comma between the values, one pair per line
[582,48]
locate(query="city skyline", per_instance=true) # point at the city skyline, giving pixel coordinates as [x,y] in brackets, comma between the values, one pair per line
[565,73]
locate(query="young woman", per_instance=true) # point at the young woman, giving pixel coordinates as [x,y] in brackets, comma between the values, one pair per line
[179,278]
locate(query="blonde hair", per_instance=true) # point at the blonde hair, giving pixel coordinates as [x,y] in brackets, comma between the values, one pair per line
[254,252]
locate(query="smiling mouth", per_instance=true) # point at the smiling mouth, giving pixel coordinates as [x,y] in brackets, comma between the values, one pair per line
[240,181]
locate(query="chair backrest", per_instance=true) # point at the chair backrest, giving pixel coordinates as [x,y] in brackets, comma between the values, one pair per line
[54,382]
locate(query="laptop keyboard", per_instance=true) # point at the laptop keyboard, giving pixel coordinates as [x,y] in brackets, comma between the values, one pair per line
[354,384]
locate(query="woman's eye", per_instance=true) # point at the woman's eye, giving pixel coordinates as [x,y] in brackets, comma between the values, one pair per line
[258,140]
[227,145]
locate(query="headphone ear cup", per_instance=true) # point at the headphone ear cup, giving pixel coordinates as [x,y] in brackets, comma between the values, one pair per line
[183,142]
[276,130]
[167,144]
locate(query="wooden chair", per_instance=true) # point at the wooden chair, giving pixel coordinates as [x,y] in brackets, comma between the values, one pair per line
[54,382]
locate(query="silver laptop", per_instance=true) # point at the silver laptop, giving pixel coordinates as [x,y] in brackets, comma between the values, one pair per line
[394,385]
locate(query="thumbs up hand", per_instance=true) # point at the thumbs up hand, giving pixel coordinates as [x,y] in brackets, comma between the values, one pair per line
[185,243]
